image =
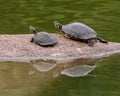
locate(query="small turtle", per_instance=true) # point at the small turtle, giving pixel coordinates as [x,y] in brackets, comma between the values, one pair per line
[42,38]
[79,31]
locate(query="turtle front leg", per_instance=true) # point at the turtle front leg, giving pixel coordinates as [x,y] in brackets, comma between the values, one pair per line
[90,43]
[32,39]
[102,40]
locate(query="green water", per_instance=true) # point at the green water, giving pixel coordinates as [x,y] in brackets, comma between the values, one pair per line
[22,79]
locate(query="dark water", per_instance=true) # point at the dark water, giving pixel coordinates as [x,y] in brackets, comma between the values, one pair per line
[27,79]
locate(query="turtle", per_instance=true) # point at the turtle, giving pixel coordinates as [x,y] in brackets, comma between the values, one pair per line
[42,38]
[79,31]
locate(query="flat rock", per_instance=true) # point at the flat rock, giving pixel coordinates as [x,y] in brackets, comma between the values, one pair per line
[19,47]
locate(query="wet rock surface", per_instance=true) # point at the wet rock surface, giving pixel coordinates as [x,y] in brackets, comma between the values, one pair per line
[19,47]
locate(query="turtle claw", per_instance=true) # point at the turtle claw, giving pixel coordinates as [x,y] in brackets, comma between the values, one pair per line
[32,40]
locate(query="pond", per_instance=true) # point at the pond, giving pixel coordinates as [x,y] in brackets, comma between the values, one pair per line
[61,78]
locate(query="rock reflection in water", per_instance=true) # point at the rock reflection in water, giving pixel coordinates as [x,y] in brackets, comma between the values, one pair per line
[73,68]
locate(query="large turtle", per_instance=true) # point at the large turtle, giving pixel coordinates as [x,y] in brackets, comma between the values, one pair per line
[42,38]
[79,31]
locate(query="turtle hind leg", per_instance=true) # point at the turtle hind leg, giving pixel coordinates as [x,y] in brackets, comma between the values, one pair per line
[90,43]
[102,40]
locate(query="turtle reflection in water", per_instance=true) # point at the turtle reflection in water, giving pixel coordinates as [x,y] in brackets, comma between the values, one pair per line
[75,68]
[42,38]
[79,31]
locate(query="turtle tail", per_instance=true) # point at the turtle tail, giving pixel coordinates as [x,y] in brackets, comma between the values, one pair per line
[32,29]
[102,40]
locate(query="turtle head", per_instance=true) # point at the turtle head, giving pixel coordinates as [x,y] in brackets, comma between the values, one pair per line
[32,29]
[58,25]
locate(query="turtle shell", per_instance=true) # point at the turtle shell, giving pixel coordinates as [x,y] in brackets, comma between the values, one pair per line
[44,39]
[79,31]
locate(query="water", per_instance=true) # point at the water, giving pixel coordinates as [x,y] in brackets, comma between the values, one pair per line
[23,79]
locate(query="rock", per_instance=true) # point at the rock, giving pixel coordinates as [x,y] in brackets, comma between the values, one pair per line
[19,47]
